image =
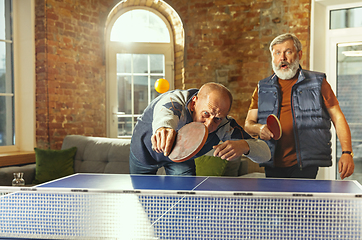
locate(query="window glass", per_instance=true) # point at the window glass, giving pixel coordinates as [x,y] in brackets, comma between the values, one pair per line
[140,88]
[2,20]
[140,63]
[124,94]
[136,86]
[156,62]
[140,26]
[346,18]
[6,76]
[124,63]
[2,67]
[6,121]
[126,125]
[154,93]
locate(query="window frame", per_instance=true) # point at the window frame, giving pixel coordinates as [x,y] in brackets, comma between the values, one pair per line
[112,48]
[23,76]
[8,94]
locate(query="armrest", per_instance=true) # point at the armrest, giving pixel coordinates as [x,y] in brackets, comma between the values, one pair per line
[6,174]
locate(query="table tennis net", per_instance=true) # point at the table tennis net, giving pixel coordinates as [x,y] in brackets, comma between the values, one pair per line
[60,214]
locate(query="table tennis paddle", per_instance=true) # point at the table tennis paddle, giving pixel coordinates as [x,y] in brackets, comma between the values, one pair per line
[274,126]
[189,141]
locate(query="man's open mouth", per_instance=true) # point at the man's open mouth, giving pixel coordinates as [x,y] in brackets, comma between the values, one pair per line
[283,66]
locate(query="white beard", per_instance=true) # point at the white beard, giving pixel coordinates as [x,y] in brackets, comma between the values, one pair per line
[286,74]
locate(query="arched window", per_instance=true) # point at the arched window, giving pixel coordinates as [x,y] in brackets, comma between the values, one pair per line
[139,51]
[140,26]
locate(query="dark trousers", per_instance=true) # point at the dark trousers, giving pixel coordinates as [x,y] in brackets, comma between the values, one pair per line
[291,172]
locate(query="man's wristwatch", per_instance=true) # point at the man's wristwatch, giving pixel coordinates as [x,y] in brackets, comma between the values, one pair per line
[348,152]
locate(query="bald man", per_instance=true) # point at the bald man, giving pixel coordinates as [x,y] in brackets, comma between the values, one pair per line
[155,131]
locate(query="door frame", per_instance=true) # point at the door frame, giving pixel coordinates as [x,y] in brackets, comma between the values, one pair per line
[323,52]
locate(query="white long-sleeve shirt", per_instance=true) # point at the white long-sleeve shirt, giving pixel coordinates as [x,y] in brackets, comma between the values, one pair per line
[170,110]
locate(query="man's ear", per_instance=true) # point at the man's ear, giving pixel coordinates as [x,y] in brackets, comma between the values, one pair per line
[300,54]
[192,103]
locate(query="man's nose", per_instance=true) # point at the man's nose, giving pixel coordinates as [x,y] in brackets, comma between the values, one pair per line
[283,57]
[208,123]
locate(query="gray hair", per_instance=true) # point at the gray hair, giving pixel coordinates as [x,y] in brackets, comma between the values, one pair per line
[284,37]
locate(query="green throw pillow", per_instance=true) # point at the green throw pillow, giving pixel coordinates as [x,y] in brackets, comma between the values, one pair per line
[53,164]
[210,166]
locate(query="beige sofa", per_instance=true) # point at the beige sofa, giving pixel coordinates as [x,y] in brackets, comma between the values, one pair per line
[102,155]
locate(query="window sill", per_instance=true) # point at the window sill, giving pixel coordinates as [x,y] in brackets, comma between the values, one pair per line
[16,158]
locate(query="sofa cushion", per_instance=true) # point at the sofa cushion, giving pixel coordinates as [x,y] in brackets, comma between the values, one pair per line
[210,166]
[232,168]
[99,154]
[53,164]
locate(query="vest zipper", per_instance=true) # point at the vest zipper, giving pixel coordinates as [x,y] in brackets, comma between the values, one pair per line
[295,129]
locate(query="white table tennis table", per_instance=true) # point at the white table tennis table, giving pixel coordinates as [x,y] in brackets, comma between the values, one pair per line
[117,206]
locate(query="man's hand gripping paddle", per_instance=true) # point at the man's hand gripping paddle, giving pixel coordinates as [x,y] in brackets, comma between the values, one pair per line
[189,141]
[274,126]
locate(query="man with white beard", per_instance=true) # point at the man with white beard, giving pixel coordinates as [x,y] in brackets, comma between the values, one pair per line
[305,105]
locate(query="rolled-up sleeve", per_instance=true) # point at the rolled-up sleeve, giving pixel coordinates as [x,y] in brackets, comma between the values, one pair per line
[259,150]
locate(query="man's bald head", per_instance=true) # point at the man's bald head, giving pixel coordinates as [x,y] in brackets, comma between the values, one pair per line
[215,88]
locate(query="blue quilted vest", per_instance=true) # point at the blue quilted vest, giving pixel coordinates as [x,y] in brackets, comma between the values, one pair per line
[311,121]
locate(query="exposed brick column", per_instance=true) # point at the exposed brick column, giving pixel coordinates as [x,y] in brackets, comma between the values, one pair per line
[70,70]
[42,118]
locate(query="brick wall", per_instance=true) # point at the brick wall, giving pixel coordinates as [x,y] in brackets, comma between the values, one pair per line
[70,70]
[225,41]
[228,41]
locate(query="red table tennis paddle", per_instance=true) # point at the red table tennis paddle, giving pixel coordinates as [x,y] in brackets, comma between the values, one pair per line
[189,141]
[274,126]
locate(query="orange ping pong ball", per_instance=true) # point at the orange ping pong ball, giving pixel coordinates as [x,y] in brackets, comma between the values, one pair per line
[162,85]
